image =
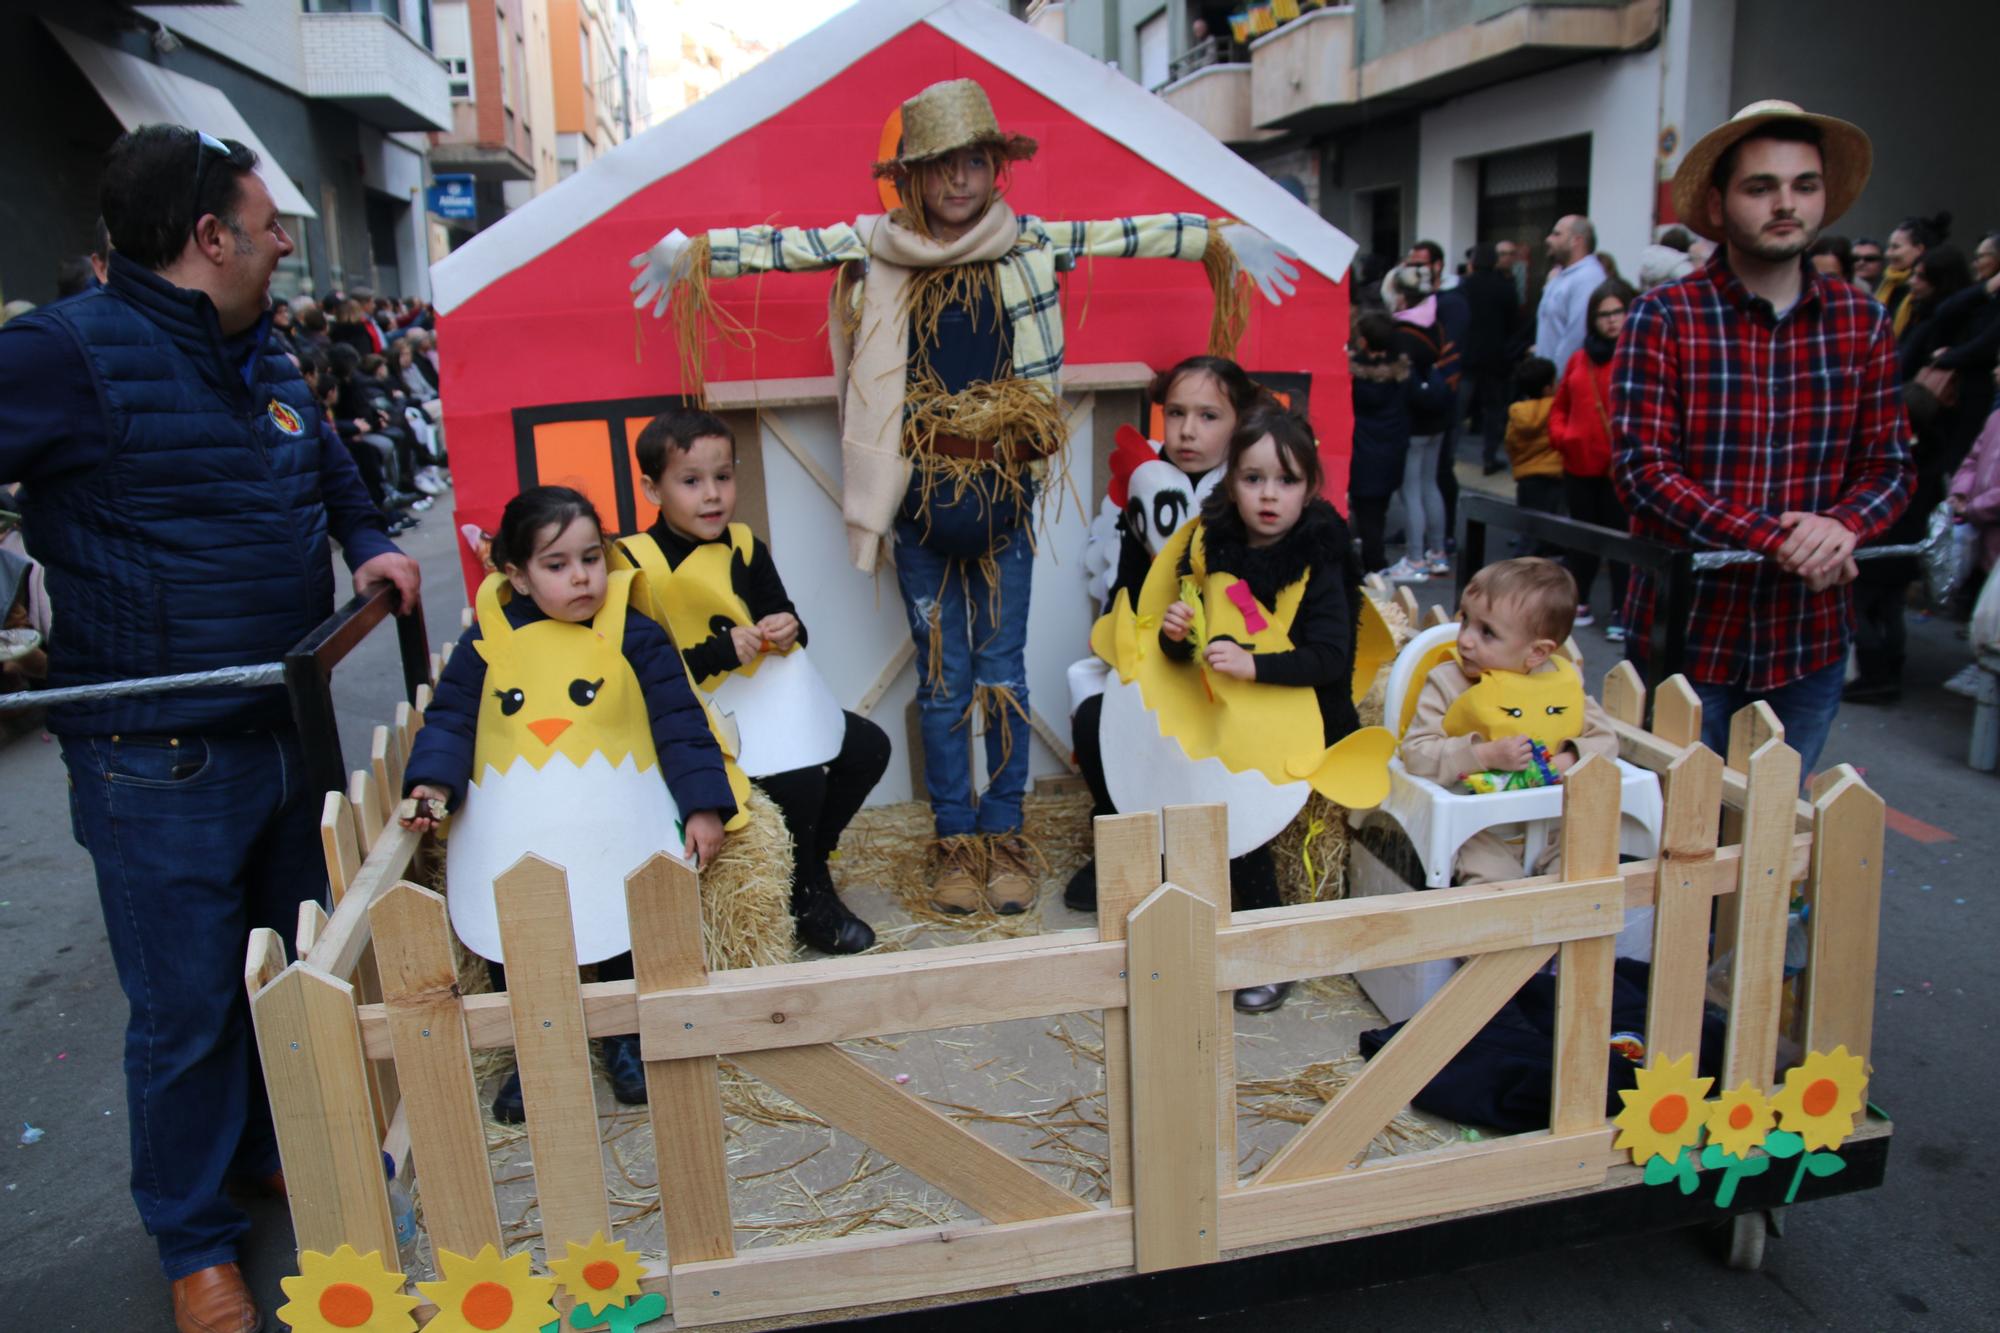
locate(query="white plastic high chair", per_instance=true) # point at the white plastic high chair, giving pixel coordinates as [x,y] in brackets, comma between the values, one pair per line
[1439,821]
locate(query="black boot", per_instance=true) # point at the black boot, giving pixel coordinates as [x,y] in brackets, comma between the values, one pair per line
[627,1070]
[1080,894]
[507,1106]
[823,919]
[1262,999]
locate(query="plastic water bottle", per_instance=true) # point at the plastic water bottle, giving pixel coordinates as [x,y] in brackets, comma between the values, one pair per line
[402,1212]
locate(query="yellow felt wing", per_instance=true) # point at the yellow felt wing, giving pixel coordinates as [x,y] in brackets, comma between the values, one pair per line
[1374,648]
[1353,771]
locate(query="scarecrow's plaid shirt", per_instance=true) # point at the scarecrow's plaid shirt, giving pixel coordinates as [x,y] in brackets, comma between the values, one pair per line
[1725,415]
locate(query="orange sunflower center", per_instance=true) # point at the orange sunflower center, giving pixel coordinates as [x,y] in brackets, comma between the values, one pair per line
[600,1274]
[487,1305]
[1820,1096]
[1668,1114]
[345,1305]
[1740,1116]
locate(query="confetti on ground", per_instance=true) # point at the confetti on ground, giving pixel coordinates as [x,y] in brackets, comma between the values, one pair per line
[31,1135]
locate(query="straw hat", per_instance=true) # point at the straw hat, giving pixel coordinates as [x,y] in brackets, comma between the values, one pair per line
[949,116]
[1845,153]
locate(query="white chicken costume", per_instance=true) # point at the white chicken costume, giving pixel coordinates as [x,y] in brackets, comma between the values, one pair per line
[564,767]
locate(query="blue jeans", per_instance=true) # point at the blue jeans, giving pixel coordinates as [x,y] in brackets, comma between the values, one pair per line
[964,562]
[195,845]
[1806,707]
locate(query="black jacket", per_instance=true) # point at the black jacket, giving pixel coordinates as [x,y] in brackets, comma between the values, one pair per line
[1386,391]
[756,582]
[1495,321]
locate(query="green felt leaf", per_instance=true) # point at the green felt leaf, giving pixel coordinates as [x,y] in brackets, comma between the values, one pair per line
[1754,1166]
[1783,1143]
[1659,1171]
[1713,1156]
[1825,1163]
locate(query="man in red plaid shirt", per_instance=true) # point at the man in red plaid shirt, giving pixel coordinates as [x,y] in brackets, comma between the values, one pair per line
[1757,406]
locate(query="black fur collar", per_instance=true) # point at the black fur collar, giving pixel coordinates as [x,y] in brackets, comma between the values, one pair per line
[1320,540]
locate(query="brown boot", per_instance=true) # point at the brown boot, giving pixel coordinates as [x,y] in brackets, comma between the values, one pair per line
[961,874]
[215,1300]
[1010,879]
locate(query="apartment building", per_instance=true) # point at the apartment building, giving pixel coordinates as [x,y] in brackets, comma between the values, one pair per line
[503,104]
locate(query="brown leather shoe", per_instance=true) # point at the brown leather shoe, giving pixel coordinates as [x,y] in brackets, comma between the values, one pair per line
[961,875]
[215,1300]
[1010,878]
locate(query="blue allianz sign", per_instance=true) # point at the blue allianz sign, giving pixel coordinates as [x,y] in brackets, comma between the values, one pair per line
[453,197]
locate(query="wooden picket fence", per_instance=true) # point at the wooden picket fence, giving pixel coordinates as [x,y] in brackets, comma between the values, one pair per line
[367,1043]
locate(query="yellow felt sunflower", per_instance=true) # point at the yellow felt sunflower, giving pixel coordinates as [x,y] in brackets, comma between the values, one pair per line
[599,1274]
[1663,1114]
[345,1291]
[1821,1097]
[488,1294]
[1739,1120]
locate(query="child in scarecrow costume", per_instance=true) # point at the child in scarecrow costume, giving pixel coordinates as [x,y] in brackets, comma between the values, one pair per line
[947,344]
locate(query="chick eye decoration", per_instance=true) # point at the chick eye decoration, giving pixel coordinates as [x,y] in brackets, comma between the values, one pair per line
[583,693]
[1511,712]
[511,701]
[1553,710]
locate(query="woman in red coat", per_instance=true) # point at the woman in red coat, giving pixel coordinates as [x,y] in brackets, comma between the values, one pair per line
[1580,429]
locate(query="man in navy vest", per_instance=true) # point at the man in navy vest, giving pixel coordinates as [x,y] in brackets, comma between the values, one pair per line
[181,488]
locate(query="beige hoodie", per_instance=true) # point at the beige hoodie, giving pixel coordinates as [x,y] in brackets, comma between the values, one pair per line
[1427,752]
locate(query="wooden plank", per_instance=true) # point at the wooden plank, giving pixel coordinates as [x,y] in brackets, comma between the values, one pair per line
[370,815]
[907,1265]
[312,920]
[387,768]
[264,959]
[424,695]
[1195,855]
[1096,376]
[1436,616]
[1681,909]
[1625,694]
[1128,870]
[341,844]
[346,935]
[854,1099]
[549,1046]
[440,1096]
[774,423]
[797,391]
[404,732]
[1408,601]
[1645,750]
[1454,1179]
[1342,1129]
[310,1046]
[1845,890]
[684,1097]
[1677,712]
[906,653]
[1583,976]
[1176,1044]
[1763,895]
[1749,729]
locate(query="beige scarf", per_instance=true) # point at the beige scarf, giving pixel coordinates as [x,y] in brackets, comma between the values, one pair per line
[871,364]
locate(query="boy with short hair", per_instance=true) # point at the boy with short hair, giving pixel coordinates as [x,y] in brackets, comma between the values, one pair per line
[1513,617]
[1538,468]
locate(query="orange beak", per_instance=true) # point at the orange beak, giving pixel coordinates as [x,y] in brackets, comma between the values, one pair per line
[548,728]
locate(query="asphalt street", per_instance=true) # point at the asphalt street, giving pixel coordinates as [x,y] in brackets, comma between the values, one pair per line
[1918,1253]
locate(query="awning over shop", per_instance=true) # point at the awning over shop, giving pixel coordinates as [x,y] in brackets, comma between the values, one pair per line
[142,94]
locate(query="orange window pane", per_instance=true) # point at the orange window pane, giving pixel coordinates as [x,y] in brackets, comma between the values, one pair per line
[578,454]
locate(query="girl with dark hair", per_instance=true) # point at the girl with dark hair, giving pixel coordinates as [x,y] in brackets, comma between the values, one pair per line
[1270,556]
[543,737]
[1580,430]
[1907,244]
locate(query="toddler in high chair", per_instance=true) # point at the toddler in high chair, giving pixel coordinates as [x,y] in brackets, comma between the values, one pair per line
[1505,711]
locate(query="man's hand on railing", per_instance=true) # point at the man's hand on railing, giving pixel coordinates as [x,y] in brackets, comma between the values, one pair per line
[392,567]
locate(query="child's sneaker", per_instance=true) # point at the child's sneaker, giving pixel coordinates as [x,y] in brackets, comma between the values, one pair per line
[961,875]
[1583,616]
[1966,682]
[1407,571]
[1010,883]
[1614,632]
[1437,562]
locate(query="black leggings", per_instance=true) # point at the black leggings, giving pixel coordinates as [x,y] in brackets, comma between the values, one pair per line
[1592,500]
[819,801]
[1253,877]
[1371,520]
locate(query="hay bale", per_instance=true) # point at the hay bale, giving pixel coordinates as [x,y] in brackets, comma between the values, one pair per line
[746,893]
[1318,835]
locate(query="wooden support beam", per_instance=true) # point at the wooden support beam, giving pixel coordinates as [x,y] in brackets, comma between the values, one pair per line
[549,1046]
[1625,694]
[1343,1128]
[1195,855]
[854,1099]
[1591,793]
[906,653]
[341,944]
[440,1098]
[310,1046]
[1128,870]
[1845,892]
[1643,749]
[1176,1047]
[1682,907]
[780,432]
[1763,896]
[663,901]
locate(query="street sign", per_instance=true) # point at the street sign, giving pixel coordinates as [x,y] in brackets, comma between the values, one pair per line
[453,197]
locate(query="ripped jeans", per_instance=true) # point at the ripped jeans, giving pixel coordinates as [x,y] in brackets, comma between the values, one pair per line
[965,560]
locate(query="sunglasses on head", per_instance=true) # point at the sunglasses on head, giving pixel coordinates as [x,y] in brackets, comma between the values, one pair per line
[205,144]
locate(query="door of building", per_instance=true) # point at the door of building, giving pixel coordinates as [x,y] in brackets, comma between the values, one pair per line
[1524,190]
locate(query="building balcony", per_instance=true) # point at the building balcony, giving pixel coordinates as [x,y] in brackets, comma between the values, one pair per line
[463,152]
[371,66]
[1217,98]
[1304,71]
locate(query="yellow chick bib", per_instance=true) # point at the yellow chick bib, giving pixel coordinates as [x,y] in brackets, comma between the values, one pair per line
[563,767]
[1544,706]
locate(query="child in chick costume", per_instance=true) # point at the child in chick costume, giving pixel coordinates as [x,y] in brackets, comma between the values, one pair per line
[564,726]
[1504,711]
[1234,675]
[714,584]
[947,337]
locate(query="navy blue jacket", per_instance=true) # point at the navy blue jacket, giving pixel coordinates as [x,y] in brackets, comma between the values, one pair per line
[181,489]
[690,760]
[1387,391]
